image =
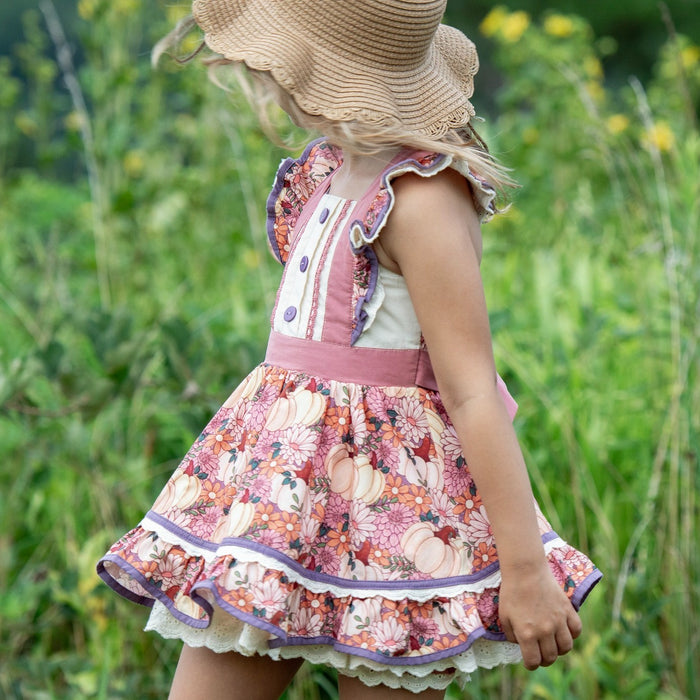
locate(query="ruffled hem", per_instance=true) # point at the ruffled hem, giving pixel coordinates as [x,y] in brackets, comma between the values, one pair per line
[383,628]
[228,633]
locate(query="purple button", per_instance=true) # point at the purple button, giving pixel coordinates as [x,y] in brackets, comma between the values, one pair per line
[290,313]
[304,263]
[324,215]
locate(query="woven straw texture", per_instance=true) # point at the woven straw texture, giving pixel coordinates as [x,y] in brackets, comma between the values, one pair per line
[388,63]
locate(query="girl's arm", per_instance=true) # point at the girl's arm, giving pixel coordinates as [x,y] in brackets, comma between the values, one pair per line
[433,236]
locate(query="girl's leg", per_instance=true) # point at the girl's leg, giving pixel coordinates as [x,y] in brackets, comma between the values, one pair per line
[202,674]
[354,689]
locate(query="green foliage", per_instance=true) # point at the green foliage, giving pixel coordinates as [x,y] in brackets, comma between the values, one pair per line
[134,292]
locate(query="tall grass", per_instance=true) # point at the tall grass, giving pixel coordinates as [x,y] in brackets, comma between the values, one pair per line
[134,295]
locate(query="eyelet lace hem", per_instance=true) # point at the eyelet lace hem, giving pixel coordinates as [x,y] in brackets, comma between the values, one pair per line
[227,633]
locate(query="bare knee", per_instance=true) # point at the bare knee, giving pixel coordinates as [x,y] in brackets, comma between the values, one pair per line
[206,675]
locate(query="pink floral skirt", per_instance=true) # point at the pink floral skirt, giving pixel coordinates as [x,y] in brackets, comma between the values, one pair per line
[332,521]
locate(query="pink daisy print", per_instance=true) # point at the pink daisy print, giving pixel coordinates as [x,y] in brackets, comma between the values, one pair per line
[327,440]
[451,444]
[390,635]
[487,606]
[309,529]
[411,420]
[442,506]
[268,594]
[379,404]
[307,623]
[328,560]
[336,508]
[387,454]
[358,420]
[259,407]
[271,538]
[207,461]
[457,480]
[479,526]
[361,522]
[298,444]
[172,569]
[424,627]
[204,524]
[393,524]
[258,486]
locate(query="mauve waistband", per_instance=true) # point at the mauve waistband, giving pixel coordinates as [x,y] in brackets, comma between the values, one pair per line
[356,365]
[369,366]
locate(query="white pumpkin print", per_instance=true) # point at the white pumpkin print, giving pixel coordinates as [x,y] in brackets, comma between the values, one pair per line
[354,477]
[431,551]
[180,492]
[365,611]
[310,406]
[281,414]
[238,520]
[436,427]
[417,471]
[247,387]
[289,496]
[147,547]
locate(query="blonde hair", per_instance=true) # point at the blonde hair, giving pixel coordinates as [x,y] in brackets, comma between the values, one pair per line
[266,96]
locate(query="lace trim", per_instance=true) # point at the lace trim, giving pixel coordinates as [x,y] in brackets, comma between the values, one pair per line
[354,588]
[227,633]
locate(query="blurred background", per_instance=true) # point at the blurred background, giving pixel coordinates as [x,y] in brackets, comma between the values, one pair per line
[135,287]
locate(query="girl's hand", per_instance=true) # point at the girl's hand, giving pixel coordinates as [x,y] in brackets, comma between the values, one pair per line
[536,614]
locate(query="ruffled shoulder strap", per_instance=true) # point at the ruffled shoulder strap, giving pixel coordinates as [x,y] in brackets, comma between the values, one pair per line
[379,202]
[295,182]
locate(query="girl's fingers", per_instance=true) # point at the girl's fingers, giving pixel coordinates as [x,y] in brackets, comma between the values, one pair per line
[530,649]
[565,641]
[549,650]
[573,621]
[508,629]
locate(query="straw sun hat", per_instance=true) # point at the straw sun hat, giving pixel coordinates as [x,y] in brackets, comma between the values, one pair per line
[388,63]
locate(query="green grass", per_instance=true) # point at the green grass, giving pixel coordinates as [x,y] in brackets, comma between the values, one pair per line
[133,300]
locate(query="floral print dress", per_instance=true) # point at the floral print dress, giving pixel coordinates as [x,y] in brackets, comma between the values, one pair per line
[327,511]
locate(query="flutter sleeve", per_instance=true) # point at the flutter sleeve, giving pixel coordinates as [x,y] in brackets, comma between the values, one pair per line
[295,182]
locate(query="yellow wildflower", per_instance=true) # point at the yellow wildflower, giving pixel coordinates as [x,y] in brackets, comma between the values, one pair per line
[492,23]
[86,8]
[559,26]
[593,67]
[514,26]
[133,163]
[690,56]
[660,136]
[73,121]
[595,90]
[617,123]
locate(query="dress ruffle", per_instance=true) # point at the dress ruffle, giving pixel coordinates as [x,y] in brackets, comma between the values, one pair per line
[330,516]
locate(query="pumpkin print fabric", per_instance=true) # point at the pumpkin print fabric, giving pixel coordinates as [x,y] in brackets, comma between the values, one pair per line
[334,521]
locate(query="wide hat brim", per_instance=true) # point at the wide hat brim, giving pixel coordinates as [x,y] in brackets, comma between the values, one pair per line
[388,70]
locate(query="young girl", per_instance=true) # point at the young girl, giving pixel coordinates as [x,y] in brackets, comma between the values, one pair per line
[360,500]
